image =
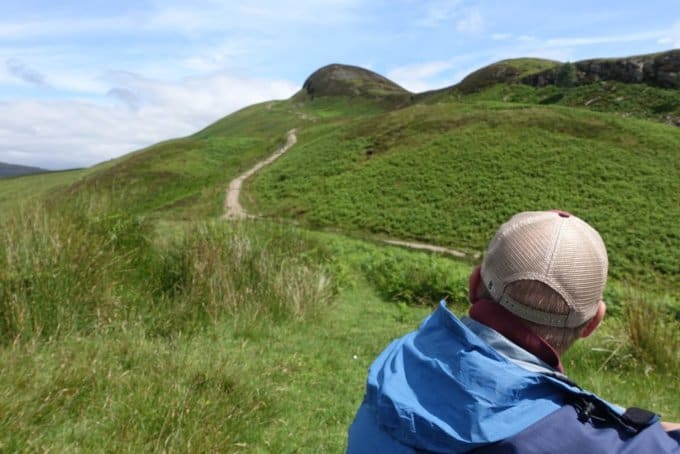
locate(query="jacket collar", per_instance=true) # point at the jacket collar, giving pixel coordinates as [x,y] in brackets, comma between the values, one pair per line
[513,328]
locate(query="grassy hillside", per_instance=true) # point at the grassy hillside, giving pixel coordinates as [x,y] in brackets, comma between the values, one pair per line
[186,178]
[451,173]
[188,175]
[14,191]
[625,100]
[132,320]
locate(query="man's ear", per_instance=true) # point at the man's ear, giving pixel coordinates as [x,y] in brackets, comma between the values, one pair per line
[474,285]
[596,320]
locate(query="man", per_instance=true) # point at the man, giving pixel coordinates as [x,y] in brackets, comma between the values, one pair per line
[493,382]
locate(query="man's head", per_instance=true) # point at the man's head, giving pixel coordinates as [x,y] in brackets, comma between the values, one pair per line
[548,268]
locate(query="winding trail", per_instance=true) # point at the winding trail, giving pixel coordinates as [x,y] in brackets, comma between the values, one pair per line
[234,210]
[232,207]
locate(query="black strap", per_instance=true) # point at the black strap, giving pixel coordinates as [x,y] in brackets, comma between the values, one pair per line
[639,417]
[590,409]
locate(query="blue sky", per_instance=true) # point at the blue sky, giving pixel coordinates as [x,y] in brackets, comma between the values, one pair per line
[85,81]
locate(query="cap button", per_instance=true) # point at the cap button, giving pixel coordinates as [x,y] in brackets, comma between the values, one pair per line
[562,213]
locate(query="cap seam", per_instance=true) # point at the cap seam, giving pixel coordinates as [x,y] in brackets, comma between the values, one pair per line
[554,247]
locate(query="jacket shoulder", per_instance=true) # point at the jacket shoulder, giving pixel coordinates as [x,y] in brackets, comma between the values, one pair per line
[563,432]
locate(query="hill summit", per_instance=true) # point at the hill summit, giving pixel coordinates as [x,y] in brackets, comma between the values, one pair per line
[346,80]
[504,71]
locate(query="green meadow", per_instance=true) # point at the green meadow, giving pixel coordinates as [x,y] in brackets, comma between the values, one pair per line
[132,318]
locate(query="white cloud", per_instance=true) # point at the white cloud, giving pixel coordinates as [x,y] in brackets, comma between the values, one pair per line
[312,12]
[567,48]
[21,30]
[418,78]
[510,36]
[605,39]
[501,36]
[201,17]
[472,22]
[209,15]
[69,133]
[671,37]
[438,12]
[213,58]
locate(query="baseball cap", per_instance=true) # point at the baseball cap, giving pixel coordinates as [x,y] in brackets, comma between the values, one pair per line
[555,248]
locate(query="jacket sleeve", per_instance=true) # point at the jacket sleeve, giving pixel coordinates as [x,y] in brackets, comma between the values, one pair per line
[563,432]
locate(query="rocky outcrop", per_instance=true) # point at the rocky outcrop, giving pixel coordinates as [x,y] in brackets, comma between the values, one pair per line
[659,70]
[345,80]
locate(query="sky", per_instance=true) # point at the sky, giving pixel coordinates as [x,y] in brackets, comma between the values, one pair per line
[83,82]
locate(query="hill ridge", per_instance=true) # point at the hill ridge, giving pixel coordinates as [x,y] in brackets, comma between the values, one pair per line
[658,69]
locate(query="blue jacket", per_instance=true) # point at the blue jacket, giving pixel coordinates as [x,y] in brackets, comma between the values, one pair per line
[459,386]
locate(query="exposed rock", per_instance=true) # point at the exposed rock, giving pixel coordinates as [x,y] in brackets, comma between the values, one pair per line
[672,120]
[591,100]
[345,80]
[660,70]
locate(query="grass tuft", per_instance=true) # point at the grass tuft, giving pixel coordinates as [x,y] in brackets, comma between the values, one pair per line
[243,270]
[654,332]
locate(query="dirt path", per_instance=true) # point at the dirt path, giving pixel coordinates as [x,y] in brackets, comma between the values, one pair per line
[234,210]
[428,247]
[232,207]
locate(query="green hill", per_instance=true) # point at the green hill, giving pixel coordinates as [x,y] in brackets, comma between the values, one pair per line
[450,173]
[444,171]
[506,71]
[132,317]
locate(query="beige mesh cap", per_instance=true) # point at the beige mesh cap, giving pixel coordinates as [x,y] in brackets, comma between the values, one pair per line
[555,248]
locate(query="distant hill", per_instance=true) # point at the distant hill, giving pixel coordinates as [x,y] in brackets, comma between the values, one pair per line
[659,70]
[346,80]
[13,170]
[642,86]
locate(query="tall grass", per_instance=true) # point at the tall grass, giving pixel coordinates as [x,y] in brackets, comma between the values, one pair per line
[83,268]
[65,271]
[244,270]
[654,332]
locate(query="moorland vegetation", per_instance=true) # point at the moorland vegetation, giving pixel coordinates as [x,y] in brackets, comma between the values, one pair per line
[133,318]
